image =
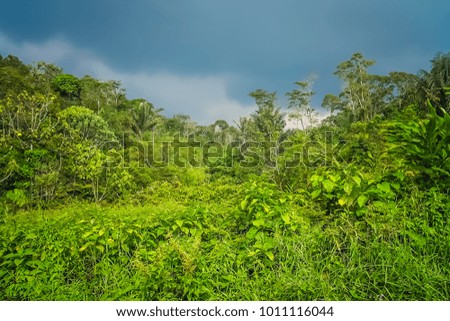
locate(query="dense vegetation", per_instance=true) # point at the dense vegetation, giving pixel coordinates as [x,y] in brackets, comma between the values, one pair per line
[104,198]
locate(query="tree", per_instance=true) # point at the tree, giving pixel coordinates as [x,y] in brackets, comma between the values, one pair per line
[144,117]
[355,95]
[435,84]
[26,117]
[220,125]
[43,75]
[404,89]
[218,130]
[381,94]
[354,100]
[246,129]
[68,86]
[104,97]
[80,124]
[299,101]
[27,162]
[364,95]
[14,76]
[180,124]
[268,118]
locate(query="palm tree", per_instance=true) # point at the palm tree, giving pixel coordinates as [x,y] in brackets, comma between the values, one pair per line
[434,85]
[144,117]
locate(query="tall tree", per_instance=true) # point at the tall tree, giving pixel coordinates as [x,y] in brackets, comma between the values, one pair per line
[14,76]
[435,84]
[355,95]
[68,86]
[268,118]
[299,101]
[43,75]
[354,99]
[104,97]
[246,129]
[144,117]
[404,89]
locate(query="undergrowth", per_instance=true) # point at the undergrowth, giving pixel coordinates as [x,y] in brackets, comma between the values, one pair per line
[257,243]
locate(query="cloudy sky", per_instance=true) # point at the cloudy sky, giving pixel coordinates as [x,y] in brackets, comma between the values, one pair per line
[203,57]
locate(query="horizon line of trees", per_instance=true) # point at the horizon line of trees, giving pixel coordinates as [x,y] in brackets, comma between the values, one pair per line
[57,131]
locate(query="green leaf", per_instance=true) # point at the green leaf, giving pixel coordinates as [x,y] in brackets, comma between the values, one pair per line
[362,199]
[342,201]
[316,193]
[270,255]
[35,264]
[334,178]
[179,223]
[396,186]
[286,218]
[384,187]
[328,185]
[361,211]
[17,262]
[85,246]
[270,244]
[400,175]
[259,223]
[244,204]
[379,204]
[315,180]
[357,180]
[87,234]
[251,233]
[348,188]
[160,231]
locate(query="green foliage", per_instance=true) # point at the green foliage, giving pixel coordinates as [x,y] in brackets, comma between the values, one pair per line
[355,99]
[80,123]
[268,119]
[17,197]
[300,103]
[67,85]
[144,117]
[433,85]
[92,209]
[192,246]
[424,146]
[347,190]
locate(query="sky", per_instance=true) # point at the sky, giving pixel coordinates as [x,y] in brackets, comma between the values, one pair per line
[203,57]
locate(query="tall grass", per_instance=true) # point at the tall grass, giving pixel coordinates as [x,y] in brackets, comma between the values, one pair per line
[195,250]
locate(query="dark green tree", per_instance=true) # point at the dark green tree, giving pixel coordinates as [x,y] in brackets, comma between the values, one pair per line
[14,76]
[68,86]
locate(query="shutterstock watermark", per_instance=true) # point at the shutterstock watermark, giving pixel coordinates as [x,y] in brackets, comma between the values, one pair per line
[189,151]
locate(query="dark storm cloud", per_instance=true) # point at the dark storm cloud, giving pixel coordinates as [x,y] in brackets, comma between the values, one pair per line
[257,44]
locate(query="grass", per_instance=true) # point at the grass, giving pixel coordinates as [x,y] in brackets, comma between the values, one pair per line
[190,246]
